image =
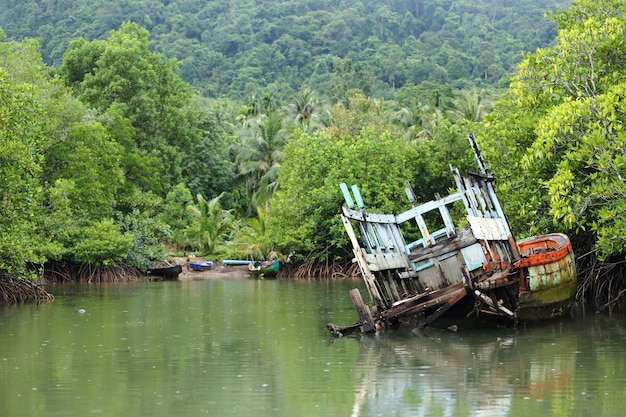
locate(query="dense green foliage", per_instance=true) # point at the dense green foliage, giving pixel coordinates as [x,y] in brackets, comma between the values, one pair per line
[85,174]
[358,149]
[22,141]
[233,48]
[101,156]
[60,171]
[121,76]
[560,128]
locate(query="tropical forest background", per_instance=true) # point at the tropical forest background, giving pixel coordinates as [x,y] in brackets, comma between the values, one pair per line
[134,129]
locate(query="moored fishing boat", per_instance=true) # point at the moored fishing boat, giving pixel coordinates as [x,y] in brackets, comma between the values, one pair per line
[459,266]
[264,268]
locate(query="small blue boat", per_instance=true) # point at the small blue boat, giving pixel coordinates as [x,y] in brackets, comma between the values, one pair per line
[201,266]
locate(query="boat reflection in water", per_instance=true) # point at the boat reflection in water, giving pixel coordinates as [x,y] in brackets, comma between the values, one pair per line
[439,372]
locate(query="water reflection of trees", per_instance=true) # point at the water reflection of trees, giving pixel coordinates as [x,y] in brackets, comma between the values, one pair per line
[469,373]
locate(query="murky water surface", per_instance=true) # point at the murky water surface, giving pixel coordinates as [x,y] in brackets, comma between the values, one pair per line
[260,348]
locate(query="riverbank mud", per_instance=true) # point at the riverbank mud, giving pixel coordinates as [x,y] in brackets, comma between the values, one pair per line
[221,272]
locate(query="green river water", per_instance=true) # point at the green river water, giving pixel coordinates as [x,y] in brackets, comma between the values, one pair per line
[260,348]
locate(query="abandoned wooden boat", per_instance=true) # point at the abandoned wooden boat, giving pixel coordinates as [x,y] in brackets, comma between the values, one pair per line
[471,265]
[264,268]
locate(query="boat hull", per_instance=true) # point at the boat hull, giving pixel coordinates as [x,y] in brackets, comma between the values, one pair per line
[549,276]
[546,304]
[236,262]
[264,269]
[201,266]
[168,273]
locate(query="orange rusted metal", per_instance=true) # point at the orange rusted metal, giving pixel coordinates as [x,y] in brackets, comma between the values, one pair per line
[543,250]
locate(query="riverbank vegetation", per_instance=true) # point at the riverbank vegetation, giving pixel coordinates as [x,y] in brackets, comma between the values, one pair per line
[115,154]
[556,139]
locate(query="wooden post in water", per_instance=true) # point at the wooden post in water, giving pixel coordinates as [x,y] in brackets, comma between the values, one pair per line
[365,316]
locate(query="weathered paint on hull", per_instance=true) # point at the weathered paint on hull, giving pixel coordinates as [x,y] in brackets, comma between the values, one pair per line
[546,304]
[543,277]
[551,286]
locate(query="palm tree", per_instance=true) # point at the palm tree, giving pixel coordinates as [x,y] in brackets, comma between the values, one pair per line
[471,106]
[248,239]
[258,158]
[210,225]
[431,118]
[254,107]
[308,112]
[418,122]
[409,120]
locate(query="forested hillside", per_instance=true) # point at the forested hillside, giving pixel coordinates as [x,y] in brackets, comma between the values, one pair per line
[129,129]
[234,48]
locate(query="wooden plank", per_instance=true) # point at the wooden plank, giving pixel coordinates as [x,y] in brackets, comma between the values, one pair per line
[365,317]
[340,331]
[463,239]
[456,297]
[426,207]
[488,228]
[368,277]
[423,302]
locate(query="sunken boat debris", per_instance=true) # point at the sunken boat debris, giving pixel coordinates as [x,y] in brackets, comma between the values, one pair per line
[475,268]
